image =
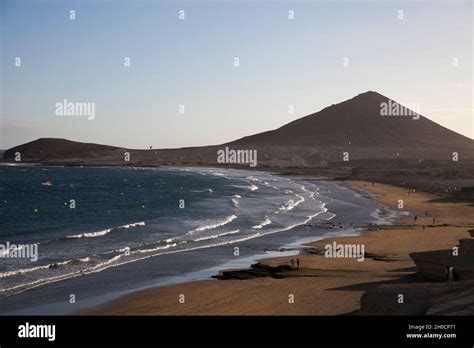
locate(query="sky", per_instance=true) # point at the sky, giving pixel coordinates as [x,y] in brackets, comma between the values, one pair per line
[415,52]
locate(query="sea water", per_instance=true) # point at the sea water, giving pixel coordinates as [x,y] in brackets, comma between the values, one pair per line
[179,217]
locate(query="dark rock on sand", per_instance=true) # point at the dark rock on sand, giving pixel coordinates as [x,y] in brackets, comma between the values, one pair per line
[256,270]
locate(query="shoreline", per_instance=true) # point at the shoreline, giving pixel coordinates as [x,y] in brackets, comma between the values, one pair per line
[289,249]
[338,284]
[213,273]
[209,274]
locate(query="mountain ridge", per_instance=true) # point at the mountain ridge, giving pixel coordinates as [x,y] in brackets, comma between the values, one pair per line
[355,126]
[349,122]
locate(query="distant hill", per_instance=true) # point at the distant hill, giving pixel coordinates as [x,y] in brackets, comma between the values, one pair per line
[358,122]
[355,126]
[48,149]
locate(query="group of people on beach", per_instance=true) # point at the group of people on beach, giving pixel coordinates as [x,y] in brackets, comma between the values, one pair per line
[426,215]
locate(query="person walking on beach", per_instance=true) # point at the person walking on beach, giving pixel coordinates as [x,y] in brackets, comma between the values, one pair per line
[446,273]
[450,274]
[416,217]
[297,263]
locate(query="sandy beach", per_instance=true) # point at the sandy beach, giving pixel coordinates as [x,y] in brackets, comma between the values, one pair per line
[321,286]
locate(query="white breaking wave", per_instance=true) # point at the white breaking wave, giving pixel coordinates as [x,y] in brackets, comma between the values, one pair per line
[154,249]
[32,269]
[265,222]
[104,232]
[299,201]
[252,187]
[292,204]
[214,225]
[142,223]
[91,234]
[216,235]
[308,219]
[235,200]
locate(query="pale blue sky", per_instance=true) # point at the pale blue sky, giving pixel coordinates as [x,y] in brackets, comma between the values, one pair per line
[190,62]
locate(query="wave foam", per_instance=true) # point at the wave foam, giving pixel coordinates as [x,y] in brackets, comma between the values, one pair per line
[216,235]
[104,232]
[214,225]
[265,222]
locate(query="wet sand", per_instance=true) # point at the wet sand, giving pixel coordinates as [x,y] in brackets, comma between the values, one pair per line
[322,285]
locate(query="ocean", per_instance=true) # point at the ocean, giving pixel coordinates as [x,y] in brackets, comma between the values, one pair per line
[108,230]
